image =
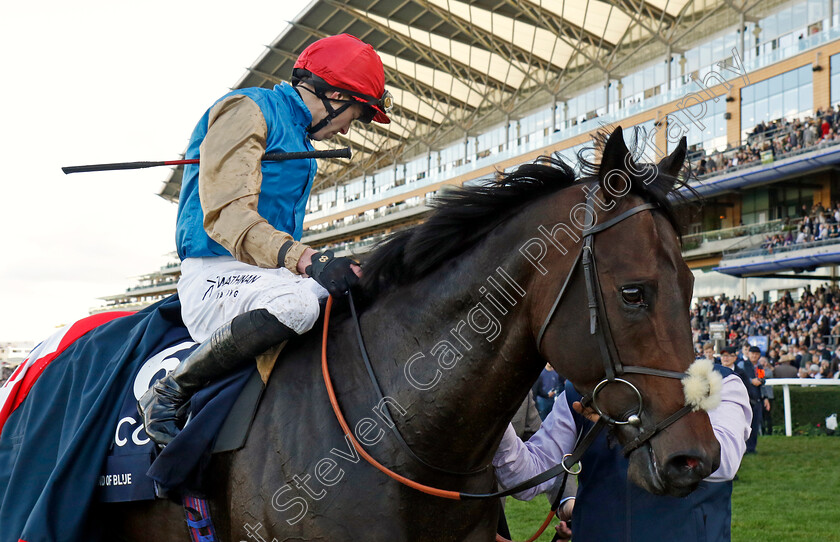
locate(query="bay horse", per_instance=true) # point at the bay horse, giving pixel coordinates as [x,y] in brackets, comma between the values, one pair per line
[459,316]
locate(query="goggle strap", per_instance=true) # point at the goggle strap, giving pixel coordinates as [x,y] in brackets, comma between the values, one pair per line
[300,75]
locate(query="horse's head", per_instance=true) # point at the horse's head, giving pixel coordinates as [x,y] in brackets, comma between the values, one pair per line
[625,311]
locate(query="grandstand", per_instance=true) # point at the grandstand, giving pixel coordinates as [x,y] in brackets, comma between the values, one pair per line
[12,354]
[489,84]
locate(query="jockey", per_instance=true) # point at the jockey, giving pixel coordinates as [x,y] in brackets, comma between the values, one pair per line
[247,282]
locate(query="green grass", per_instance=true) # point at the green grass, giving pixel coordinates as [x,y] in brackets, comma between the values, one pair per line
[525,517]
[789,490]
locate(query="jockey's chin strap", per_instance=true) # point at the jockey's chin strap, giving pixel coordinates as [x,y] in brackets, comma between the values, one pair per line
[332,113]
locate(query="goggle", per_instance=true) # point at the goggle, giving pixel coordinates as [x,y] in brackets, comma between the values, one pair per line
[385,103]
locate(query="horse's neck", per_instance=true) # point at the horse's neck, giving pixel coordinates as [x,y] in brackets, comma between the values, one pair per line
[463,353]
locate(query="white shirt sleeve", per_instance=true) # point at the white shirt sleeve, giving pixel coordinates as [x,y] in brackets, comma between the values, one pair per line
[516,461]
[731,422]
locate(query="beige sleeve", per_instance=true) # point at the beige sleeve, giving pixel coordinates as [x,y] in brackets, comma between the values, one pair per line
[229,182]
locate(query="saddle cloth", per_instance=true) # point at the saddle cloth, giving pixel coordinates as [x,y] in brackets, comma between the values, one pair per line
[219,419]
[69,431]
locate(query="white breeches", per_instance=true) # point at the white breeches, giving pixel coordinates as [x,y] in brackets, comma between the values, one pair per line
[215,290]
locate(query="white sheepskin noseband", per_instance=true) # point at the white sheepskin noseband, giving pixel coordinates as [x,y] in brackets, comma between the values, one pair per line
[702,386]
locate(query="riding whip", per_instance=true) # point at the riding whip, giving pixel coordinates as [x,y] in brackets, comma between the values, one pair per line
[343,152]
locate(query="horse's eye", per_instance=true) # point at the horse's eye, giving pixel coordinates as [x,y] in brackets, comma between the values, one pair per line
[632,295]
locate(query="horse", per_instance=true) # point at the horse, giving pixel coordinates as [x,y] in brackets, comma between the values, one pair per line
[458,316]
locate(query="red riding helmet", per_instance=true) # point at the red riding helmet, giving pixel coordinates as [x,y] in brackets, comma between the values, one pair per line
[346,64]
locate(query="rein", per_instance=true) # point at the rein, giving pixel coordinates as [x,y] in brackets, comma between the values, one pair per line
[386,411]
[599,326]
[443,493]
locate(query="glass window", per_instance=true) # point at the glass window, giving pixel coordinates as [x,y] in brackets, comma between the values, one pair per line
[789,95]
[748,94]
[748,115]
[835,79]
[800,15]
[761,111]
[805,75]
[806,99]
[705,54]
[790,79]
[790,102]
[770,26]
[775,107]
[816,10]
[706,132]
[761,90]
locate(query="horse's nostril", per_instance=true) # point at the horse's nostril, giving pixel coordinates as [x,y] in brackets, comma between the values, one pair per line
[685,465]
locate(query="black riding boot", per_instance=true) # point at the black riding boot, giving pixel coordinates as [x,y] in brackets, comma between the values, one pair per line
[231,347]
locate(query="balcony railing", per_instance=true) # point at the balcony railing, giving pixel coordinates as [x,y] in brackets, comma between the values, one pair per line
[734,255]
[696,239]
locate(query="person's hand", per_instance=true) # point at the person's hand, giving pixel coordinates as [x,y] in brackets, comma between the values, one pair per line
[564,532]
[588,412]
[337,275]
[564,514]
[756,382]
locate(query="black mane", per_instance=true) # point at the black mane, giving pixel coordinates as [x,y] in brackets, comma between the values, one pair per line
[461,216]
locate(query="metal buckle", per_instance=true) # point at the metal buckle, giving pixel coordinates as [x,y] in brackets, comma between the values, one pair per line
[569,469]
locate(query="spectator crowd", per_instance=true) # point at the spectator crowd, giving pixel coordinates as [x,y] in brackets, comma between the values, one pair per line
[804,333]
[815,224]
[802,341]
[778,137]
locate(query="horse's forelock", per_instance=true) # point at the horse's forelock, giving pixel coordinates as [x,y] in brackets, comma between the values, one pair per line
[665,183]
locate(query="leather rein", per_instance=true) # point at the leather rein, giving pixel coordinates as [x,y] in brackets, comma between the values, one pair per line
[614,369]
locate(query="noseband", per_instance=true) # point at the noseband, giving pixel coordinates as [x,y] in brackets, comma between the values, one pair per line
[599,327]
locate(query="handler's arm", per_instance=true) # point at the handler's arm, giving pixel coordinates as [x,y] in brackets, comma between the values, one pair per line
[229,183]
[731,423]
[516,461]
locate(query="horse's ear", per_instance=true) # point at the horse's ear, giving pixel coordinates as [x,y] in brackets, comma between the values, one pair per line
[615,156]
[673,163]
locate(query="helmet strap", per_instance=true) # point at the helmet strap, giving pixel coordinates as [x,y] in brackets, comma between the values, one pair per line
[332,113]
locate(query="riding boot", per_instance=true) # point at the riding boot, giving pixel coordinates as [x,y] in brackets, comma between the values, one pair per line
[231,347]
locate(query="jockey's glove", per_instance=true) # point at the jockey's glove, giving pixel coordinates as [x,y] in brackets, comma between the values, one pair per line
[334,274]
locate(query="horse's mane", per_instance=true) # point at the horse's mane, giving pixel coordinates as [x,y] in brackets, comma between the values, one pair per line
[462,216]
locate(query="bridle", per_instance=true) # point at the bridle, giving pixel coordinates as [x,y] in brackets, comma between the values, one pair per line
[599,327]
[614,369]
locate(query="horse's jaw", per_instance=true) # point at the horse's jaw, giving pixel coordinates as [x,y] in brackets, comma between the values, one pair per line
[647,472]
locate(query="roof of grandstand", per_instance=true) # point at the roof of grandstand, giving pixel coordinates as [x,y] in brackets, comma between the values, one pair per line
[457,67]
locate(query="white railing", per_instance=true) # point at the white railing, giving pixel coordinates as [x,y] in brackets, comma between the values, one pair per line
[786,383]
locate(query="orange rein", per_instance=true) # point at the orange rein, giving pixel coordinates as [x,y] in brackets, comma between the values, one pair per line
[500,538]
[444,493]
